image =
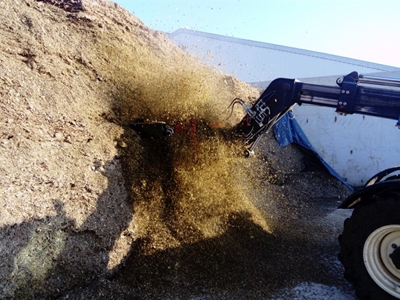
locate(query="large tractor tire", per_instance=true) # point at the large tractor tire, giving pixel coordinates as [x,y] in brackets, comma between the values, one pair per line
[370,248]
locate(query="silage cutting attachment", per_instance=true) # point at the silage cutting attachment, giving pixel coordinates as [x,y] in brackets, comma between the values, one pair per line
[158,129]
[250,130]
[151,128]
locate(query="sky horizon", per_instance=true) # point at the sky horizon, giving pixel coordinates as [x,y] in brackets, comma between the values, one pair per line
[367,30]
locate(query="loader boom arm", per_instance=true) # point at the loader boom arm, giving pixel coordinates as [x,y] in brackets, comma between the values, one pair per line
[354,94]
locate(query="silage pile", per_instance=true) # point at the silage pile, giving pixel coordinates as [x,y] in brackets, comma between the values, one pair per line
[83,196]
[78,187]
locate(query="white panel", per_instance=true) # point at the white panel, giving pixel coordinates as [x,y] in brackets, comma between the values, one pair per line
[355,146]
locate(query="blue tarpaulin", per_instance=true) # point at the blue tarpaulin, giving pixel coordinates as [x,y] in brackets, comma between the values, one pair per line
[288,131]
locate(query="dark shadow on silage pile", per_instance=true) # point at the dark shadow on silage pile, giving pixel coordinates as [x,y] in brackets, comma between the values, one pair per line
[54,254]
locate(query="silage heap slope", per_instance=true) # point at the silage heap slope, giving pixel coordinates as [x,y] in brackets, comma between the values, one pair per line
[79,188]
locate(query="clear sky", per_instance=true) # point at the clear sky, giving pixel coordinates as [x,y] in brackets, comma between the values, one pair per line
[361,29]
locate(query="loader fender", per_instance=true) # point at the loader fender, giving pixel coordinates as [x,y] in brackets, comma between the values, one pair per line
[364,194]
[386,180]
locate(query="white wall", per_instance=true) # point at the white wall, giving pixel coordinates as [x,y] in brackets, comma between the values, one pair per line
[252,61]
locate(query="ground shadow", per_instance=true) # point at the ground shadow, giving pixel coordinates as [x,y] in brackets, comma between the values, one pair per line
[246,261]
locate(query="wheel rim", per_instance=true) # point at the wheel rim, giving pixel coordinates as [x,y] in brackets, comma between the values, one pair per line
[378,250]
